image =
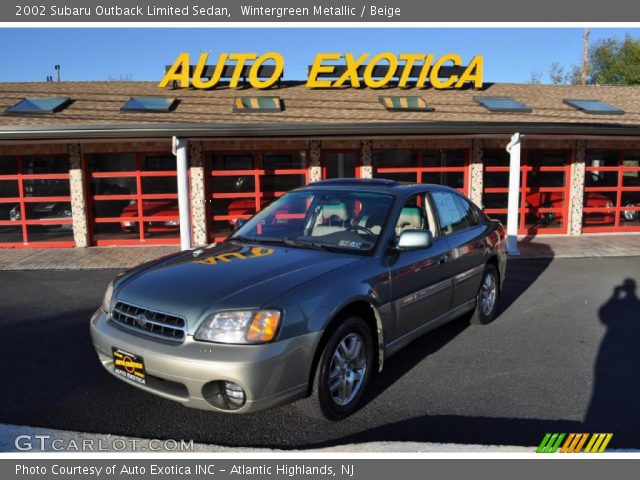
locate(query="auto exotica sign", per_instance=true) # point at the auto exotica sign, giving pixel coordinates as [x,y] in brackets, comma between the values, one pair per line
[329,70]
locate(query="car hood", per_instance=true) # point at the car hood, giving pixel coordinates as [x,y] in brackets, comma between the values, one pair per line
[228,275]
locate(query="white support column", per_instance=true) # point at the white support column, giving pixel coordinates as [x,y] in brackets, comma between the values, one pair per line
[182,159]
[513,148]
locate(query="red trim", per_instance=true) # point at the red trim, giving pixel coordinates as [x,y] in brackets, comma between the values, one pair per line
[523,210]
[257,171]
[139,197]
[419,168]
[22,200]
[617,190]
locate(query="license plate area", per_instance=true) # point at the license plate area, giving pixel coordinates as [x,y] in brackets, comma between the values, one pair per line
[129,365]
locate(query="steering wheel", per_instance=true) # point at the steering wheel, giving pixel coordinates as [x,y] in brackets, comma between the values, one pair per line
[357,227]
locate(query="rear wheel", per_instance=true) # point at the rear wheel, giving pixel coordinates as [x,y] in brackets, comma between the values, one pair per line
[342,372]
[488,296]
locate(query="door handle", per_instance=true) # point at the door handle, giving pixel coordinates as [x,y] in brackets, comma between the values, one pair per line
[443,259]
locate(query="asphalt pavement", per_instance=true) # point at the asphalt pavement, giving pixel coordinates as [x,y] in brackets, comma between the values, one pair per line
[563,356]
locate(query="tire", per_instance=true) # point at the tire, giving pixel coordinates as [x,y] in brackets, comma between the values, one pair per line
[324,401]
[485,313]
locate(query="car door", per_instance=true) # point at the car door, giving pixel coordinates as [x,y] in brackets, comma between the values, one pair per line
[420,279]
[465,234]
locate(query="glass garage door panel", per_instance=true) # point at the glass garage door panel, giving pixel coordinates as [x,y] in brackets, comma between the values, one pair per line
[35,203]
[444,167]
[612,191]
[242,183]
[336,164]
[544,186]
[133,198]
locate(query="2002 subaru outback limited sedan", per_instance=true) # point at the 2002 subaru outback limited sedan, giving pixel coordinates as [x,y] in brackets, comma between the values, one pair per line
[305,300]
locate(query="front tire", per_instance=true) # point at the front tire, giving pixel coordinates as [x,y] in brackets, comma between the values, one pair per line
[488,296]
[342,373]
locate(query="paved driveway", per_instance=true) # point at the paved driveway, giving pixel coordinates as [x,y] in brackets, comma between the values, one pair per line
[563,356]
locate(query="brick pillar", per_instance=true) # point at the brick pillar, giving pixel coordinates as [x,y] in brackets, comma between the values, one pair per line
[78,197]
[476,171]
[198,199]
[366,169]
[315,167]
[577,188]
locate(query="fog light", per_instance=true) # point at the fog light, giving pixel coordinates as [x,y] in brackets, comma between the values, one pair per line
[234,394]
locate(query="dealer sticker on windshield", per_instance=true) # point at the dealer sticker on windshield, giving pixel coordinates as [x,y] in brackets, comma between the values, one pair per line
[129,365]
[350,244]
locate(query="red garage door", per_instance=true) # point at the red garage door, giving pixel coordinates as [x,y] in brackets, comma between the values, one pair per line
[242,183]
[444,167]
[35,202]
[133,199]
[612,192]
[544,189]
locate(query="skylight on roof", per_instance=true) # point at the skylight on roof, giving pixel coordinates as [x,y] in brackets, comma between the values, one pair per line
[502,104]
[405,104]
[40,105]
[149,104]
[593,106]
[257,104]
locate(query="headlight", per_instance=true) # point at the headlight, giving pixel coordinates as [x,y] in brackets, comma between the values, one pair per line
[171,223]
[609,205]
[108,297]
[241,326]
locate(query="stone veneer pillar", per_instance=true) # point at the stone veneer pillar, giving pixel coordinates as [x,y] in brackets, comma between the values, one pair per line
[78,197]
[315,166]
[577,188]
[476,168]
[198,198]
[366,168]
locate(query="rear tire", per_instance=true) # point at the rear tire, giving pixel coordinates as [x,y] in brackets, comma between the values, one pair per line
[342,373]
[488,296]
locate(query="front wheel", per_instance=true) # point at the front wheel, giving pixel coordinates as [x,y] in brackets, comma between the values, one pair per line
[488,296]
[342,373]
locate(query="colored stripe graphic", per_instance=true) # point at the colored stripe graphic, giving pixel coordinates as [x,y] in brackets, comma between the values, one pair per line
[550,442]
[597,442]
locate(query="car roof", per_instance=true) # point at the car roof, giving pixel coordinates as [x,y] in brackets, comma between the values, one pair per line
[380,185]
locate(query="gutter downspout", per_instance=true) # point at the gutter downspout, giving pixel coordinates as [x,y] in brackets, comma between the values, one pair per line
[513,148]
[179,149]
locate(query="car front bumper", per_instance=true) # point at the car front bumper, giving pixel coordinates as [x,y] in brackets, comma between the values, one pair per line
[189,373]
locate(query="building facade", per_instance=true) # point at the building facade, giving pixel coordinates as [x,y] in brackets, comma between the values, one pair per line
[92,173]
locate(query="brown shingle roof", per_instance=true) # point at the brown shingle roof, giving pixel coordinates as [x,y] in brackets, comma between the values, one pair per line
[98,103]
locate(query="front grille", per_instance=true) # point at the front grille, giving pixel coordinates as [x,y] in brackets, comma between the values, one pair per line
[149,322]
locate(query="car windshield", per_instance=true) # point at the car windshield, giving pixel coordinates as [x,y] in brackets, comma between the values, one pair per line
[340,220]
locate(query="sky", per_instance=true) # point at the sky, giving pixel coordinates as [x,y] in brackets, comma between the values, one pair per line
[510,54]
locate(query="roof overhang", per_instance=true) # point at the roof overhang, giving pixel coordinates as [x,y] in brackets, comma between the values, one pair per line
[194,130]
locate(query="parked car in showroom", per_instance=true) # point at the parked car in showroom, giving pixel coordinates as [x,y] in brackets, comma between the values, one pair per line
[162,216]
[305,300]
[44,211]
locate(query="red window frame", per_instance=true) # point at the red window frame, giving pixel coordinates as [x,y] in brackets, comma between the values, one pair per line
[356,151]
[257,171]
[22,200]
[618,190]
[138,174]
[523,210]
[420,168]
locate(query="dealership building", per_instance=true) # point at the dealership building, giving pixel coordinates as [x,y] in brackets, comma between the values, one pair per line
[130,163]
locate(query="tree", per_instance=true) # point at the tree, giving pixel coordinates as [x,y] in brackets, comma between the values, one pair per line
[614,61]
[535,78]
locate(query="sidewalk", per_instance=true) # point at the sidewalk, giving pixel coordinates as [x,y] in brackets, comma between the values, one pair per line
[625,245]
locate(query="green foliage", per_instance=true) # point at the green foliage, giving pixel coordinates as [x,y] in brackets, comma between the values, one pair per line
[614,61]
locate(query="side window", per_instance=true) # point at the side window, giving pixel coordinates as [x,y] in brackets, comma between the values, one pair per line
[470,213]
[412,215]
[453,217]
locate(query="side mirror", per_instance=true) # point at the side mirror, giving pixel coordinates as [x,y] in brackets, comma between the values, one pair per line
[240,222]
[414,240]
